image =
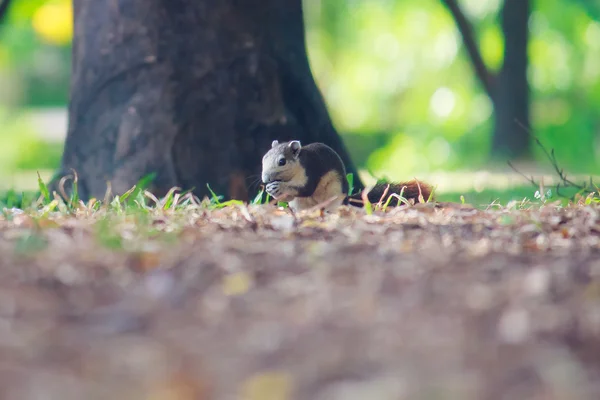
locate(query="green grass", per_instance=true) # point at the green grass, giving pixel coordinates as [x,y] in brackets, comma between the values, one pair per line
[138,198]
[488,196]
[134,211]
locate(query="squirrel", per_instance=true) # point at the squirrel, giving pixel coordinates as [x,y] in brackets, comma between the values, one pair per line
[306,176]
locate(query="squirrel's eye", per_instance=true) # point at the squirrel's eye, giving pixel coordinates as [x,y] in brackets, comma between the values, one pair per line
[281,162]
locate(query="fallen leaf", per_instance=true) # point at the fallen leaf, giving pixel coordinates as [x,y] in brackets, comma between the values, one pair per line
[146,260]
[179,387]
[236,283]
[267,386]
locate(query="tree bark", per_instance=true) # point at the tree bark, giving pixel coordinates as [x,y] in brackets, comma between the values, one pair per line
[192,90]
[511,96]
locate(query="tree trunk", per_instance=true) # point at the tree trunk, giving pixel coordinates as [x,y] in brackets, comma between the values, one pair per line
[511,136]
[192,90]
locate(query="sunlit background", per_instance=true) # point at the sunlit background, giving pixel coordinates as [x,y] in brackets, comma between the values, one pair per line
[398,83]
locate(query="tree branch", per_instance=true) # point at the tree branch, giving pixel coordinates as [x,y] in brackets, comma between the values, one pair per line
[3,9]
[466,30]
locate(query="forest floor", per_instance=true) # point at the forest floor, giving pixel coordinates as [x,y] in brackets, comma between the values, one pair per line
[251,302]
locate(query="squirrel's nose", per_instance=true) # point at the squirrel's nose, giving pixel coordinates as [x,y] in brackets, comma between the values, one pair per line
[266,178]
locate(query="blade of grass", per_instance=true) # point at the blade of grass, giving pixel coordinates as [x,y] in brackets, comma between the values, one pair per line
[216,199]
[350,179]
[259,197]
[74,200]
[43,189]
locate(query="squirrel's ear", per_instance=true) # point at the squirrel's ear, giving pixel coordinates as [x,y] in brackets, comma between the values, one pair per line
[274,143]
[295,146]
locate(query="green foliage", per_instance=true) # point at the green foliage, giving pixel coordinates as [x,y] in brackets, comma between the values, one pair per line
[484,198]
[22,11]
[32,71]
[135,194]
[214,199]
[261,198]
[34,153]
[44,189]
[21,148]
[400,197]
[488,196]
[19,200]
[350,179]
[216,202]
[396,68]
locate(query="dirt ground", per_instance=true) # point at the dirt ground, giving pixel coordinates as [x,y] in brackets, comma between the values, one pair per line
[255,303]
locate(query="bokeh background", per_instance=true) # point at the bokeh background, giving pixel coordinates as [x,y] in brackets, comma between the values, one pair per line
[397,80]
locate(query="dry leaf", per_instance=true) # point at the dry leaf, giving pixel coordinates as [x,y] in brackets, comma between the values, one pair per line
[267,386]
[236,283]
[179,387]
[146,260]
[46,223]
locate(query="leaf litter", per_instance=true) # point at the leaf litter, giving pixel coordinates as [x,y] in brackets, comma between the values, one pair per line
[205,301]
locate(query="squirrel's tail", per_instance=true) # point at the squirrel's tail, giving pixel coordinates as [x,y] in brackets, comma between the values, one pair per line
[412,190]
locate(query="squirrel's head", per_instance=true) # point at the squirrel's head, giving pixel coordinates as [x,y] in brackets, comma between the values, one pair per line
[282,162]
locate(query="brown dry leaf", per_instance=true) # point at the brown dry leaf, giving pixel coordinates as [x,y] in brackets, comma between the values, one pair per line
[179,387]
[592,291]
[45,223]
[146,260]
[311,223]
[267,386]
[23,220]
[236,283]
[346,305]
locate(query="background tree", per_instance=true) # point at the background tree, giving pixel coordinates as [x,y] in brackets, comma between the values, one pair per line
[192,90]
[508,89]
[3,9]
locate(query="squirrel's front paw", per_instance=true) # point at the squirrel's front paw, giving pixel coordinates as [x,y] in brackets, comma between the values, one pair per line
[275,189]
[280,191]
